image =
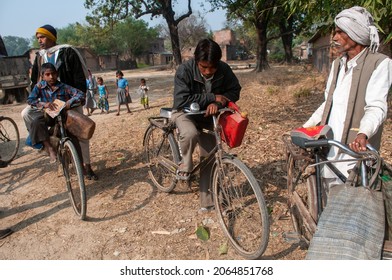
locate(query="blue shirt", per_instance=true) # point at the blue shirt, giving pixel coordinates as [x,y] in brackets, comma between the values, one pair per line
[122,83]
[43,93]
[101,90]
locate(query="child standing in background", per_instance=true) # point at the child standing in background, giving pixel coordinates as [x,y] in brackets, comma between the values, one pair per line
[123,96]
[103,96]
[91,104]
[143,90]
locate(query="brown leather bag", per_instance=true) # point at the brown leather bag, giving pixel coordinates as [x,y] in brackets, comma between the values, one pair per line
[79,125]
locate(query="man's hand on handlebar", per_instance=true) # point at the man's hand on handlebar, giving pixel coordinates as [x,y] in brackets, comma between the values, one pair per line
[220,102]
[359,143]
[221,99]
[212,109]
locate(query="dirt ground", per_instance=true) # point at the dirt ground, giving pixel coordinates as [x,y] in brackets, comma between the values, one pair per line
[128,218]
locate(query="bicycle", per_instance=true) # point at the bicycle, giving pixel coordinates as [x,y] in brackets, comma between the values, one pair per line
[306,196]
[9,139]
[68,156]
[238,199]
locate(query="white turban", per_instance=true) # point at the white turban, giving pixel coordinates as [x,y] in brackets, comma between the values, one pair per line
[358,23]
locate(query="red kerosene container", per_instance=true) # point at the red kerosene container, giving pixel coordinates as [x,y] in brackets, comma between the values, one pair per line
[233,126]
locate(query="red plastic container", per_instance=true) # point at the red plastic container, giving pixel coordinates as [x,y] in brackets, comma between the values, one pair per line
[233,126]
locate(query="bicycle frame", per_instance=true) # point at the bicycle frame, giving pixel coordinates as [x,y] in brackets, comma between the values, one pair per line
[217,151]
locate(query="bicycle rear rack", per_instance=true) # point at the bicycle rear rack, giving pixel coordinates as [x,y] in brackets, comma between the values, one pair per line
[296,152]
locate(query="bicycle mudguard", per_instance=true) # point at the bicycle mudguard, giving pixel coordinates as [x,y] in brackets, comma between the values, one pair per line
[300,136]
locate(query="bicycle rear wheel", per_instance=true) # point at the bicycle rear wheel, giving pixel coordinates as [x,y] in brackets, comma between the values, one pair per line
[9,139]
[73,174]
[162,156]
[241,208]
[302,198]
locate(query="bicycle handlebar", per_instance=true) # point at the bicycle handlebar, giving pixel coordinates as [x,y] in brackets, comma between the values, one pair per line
[188,111]
[329,142]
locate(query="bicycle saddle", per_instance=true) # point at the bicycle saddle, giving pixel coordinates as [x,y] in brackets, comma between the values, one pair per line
[166,112]
[299,136]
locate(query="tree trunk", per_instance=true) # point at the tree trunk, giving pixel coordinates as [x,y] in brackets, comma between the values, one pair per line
[168,14]
[175,43]
[261,59]
[285,27]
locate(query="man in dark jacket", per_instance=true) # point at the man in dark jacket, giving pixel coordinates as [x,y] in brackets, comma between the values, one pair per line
[211,83]
[71,70]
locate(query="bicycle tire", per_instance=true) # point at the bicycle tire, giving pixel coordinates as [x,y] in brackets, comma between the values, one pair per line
[162,155]
[305,191]
[241,207]
[9,139]
[73,174]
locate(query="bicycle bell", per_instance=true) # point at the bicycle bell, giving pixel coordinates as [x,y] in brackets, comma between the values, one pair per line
[195,107]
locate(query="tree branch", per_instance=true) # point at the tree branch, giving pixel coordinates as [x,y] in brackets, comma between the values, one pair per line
[185,15]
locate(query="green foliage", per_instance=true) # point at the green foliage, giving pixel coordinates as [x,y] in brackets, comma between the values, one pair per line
[141,65]
[107,13]
[324,14]
[16,45]
[244,32]
[269,19]
[128,37]
[133,37]
[276,57]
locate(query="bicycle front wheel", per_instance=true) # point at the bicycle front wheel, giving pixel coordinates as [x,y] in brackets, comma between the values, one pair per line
[241,208]
[9,139]
[73,174]
[162,157]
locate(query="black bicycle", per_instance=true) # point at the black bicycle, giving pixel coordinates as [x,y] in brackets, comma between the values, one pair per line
[306,195]
[239,201]
[9,140]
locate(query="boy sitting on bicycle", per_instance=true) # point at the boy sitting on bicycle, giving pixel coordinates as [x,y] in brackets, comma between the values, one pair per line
[42,97]
[211,83]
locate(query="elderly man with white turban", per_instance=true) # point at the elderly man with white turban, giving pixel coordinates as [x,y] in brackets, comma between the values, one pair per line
[355,103]
[352,223]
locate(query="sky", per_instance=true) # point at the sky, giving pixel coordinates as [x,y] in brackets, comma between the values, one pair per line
[22,17]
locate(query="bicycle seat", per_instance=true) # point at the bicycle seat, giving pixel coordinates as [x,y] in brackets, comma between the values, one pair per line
[300,136]
[166,112]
